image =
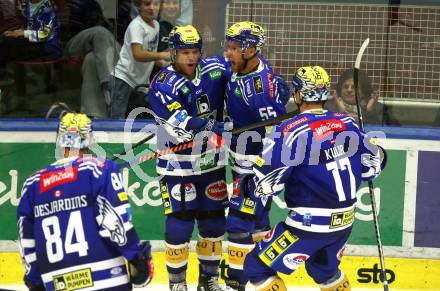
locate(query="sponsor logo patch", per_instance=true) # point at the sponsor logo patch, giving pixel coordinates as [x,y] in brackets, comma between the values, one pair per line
[248,206]
[189,190]
[184,89]
[215,74]
[165,197]
[174,106]
[293,261]
[270,84]
[73,280]
[217,190]
[341,219]
[293,124]
[122,196]
[322,128]
[258,84]
[162,77]
[52,179]
[278,247]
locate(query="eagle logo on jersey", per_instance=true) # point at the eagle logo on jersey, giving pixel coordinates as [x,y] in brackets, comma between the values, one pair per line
[179,117]
[111,223]
[269,184]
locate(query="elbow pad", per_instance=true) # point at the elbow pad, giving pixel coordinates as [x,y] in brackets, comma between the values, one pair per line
[141,267]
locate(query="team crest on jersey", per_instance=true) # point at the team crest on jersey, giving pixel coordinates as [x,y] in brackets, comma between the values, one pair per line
[111,222]
[162,77]
[269,184]
[55,178]
[178,133]
[258,85]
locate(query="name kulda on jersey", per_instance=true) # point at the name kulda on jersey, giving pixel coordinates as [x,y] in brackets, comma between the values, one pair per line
[60,205]
[334,152]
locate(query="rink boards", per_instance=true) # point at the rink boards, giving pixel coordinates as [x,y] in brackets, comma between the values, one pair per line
[410,237]
[363,272]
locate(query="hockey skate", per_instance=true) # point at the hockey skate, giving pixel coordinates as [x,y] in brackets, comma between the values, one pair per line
[209,284]
[181,286]
[241,288]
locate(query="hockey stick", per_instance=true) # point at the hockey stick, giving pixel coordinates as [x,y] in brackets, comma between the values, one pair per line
[370,183]
[215,143]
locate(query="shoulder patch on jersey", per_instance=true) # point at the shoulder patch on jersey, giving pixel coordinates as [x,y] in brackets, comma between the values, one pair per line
[294,123]
[184,89]
[55,178]
[173,106]
[322,128]
[161,78]
[270,84]
[215,74]
[258,84]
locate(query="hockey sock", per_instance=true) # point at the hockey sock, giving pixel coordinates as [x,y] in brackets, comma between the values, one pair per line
[209,252]
[339,282]
[272,283]
[176,257]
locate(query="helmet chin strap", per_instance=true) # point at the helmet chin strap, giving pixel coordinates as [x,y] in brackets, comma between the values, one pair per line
[247,60]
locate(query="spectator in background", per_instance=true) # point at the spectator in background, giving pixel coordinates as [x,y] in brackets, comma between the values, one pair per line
[168,14]
[186,13]
[39,38]
[345,101]
[137,57]
[95,47]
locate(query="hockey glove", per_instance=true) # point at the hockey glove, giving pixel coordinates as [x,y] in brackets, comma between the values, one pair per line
[141,267]
[242,185]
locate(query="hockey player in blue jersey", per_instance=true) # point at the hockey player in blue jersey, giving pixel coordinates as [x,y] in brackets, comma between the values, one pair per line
[74,221]
[254,93]
[319,159]
[187,100]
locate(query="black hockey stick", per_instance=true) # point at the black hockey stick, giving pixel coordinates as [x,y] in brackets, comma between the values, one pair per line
[370,183]
[191,144]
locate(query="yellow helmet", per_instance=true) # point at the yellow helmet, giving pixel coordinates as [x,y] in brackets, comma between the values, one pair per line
[183,37]
[247,34]
[75,131]
[312,82]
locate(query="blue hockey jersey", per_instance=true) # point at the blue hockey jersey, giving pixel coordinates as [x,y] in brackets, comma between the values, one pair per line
[319,158]
[42,24]
[176,100]
[252,98]
[74,223]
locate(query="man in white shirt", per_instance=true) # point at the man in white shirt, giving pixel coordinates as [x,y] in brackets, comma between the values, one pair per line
[137,56]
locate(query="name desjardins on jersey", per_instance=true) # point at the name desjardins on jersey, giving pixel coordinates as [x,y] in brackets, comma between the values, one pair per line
[60,205]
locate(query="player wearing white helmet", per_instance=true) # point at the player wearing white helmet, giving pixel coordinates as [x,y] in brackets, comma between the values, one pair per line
[74,221]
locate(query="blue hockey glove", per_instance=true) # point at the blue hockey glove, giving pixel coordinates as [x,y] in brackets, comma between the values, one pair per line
[141,267]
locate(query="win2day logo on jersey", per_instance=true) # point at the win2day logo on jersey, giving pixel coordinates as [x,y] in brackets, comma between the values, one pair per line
[55,178]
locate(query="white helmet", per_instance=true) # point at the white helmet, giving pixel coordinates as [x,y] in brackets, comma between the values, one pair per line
[75,131]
